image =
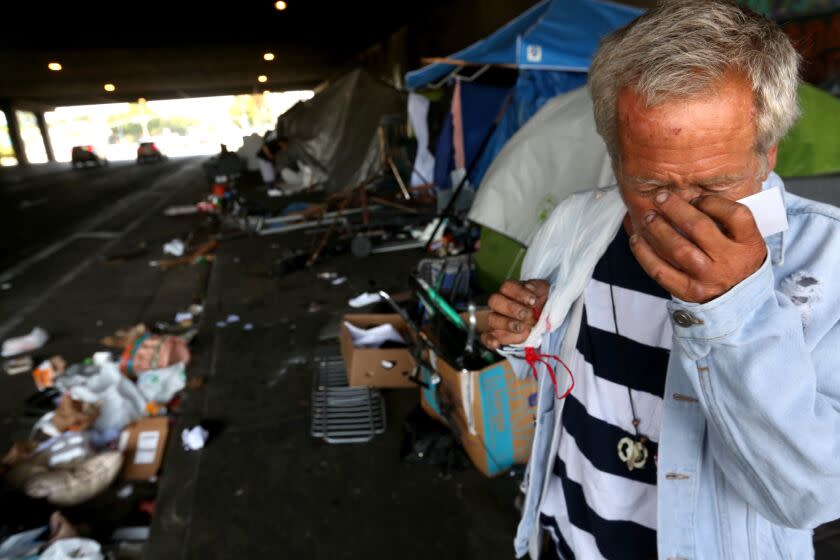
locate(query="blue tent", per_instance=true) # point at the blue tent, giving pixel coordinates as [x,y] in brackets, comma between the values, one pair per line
[552,35]
[552,44]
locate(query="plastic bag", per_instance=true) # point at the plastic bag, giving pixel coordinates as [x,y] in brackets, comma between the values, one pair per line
[161,385]
[566,249]
[121,402]
[73,549]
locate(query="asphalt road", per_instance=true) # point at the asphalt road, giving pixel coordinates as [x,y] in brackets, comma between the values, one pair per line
[41,205]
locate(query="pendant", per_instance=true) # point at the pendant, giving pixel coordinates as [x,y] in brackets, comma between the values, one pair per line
[632,453]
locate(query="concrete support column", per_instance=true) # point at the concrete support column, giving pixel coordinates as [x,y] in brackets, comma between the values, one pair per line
[45,134]
[14,134]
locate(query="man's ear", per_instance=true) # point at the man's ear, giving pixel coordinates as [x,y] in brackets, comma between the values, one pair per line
[772,154]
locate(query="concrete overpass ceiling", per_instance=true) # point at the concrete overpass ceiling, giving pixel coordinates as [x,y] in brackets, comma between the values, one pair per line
[184,48]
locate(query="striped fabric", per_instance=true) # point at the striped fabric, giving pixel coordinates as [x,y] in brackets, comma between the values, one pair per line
[596,508]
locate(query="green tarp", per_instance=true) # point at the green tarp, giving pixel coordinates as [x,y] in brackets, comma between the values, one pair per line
[812,147]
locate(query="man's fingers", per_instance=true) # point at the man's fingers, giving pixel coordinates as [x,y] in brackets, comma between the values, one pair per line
[489,341]
[502,323]
[671,246]
[504,305]
[663,273]
[736,218]
[494,339]
[519,293]
[688,220]
[539,287]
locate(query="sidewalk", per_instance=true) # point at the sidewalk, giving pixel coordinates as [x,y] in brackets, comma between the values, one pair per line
[265,488]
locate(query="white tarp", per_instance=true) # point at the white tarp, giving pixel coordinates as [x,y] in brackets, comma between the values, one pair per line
[424,163]
[556,153]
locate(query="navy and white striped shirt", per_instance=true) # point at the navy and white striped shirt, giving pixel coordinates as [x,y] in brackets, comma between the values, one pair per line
[597,508]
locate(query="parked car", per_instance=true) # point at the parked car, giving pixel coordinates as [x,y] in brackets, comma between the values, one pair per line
[148,151]
[86,156]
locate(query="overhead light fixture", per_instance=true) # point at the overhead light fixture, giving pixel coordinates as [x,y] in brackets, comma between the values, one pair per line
[54,66]
[280,5]
[110,87]
[262,78]
[141,100]
[268,56]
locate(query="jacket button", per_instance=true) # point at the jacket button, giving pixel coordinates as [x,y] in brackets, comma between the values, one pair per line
[684,318]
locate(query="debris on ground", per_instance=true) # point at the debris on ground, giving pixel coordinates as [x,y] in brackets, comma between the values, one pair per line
[175,248]
[364,299]
[194,438]
[26,343]
[16,366]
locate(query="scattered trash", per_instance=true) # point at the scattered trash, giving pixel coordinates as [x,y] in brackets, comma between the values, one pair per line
[152,351]
[160,385]
[18,365]
[200,254]
[374,337]
[232,318]
[194,439]
[6,286]
[74,414]
[364,299]
[73,549]
[182,210]
[125,492]
[327,275]
[314,307]
[102,357]
[388,364]
[24,545]
[27,343]
[339,281]
[175,248]
[124,337]
[275,193]
[196,309]
[67,449]
[183,317]
[45,374]
[143,444]
[120,401]
[72,486]
[221,324]
[248,327]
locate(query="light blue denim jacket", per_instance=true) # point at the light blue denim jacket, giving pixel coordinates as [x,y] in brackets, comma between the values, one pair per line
[749,450]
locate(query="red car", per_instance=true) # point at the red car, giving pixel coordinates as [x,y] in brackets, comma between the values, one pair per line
[148,151]
[85,156]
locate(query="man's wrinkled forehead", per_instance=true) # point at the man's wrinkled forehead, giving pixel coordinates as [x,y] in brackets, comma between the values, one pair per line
[730,105]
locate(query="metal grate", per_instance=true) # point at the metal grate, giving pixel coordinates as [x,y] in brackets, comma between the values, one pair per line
[342,414]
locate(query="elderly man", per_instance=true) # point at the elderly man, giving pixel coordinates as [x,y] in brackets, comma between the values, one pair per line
[704,422]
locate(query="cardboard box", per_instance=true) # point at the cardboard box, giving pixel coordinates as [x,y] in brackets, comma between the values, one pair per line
[143,444]
[365,366]
[491,411]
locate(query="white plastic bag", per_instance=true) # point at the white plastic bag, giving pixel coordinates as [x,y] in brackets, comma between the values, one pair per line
[160,385]
[26,343]
[73,549]
[121,402]
[566,249]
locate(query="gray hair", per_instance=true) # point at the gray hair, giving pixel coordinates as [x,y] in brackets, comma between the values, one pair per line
[682,48]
